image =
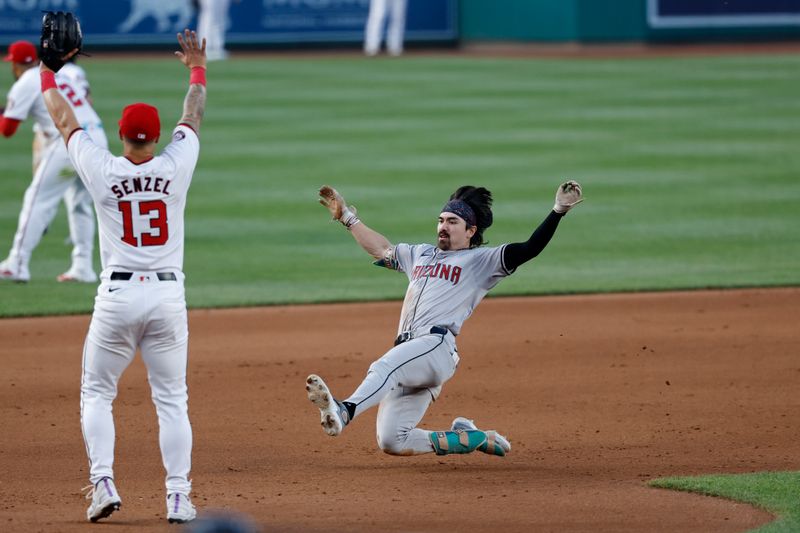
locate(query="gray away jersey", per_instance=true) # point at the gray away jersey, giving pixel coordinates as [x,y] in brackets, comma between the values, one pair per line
[445,286]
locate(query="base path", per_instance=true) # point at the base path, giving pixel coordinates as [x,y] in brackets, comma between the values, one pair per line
[598,395]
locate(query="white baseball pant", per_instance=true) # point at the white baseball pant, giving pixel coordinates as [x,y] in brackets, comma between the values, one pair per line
[378,12]
[211,25]
[149,314]
[403,383]
[54,179]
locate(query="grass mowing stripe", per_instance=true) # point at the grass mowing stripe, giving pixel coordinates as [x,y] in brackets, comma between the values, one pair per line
[688,164]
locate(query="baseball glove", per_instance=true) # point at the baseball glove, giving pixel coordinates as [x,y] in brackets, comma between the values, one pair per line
[61,35]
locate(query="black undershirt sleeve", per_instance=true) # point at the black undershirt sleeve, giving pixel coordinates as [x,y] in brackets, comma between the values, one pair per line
[518,253]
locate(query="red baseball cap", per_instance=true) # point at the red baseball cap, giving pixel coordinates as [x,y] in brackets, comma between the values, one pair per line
[140,122]
[21,52]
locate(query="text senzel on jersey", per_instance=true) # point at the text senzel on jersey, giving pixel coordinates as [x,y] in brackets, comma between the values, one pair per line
[145,184]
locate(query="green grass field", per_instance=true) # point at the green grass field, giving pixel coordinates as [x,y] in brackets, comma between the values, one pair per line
[776,492]
[689,167]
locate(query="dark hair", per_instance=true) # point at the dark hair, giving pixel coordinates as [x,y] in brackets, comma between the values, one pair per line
[480,200]
[138,143]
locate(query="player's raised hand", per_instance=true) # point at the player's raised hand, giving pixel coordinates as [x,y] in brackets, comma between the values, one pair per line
[568,195]
[192,54]
[330,198]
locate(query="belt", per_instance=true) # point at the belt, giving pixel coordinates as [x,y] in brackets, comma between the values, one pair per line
[126,276]
[408,335]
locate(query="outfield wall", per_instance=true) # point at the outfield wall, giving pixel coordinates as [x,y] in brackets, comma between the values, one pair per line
[137,23]
[629,20]
[320,23]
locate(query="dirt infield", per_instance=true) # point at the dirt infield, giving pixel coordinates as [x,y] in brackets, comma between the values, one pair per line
[598,394]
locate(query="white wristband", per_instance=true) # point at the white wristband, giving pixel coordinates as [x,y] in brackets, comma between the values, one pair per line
[348,218]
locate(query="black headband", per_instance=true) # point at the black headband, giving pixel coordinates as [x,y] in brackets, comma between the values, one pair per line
[462,209]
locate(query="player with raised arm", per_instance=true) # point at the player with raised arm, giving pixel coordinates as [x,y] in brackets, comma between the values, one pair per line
[446,283]
[53,175]
[140,200]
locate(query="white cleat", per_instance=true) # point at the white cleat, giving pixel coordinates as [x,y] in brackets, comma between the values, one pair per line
[77,276]
[462,423]
[10,273]
[180,508]
[495,444]
[331,412]
[105,499]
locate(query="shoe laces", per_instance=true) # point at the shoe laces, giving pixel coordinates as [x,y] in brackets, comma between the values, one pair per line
[184,498]
[179,503]
[89,491]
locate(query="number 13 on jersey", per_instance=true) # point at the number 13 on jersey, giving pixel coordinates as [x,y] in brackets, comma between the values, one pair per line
[153,210]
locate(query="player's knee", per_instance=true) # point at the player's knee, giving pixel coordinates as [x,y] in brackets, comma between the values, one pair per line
[98,390]
[90,394]
[171,404]
[391,447]
[393,442]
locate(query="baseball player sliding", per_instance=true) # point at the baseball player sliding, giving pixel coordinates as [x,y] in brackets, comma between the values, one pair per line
[53,175]
[446,282]
[140,304]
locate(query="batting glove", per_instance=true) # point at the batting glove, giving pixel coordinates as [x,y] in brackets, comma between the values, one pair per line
[568,195]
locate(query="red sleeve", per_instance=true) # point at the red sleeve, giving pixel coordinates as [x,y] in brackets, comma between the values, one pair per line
[8,126]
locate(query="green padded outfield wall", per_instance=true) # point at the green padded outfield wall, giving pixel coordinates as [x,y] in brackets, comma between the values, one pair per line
[552,20]
[610,20]
[590,21]
[518,20]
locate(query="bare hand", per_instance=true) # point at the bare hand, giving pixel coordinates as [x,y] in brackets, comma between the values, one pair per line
[192,54]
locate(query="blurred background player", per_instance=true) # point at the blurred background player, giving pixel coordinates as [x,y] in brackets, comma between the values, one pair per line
[140,304]
[379,11]
[53,175]
[212,22]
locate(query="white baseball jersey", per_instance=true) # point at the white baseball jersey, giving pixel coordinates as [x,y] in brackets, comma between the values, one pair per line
[54,178]
[139,206]
[74,86]
[25,99]
[77,78]
[445,286]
